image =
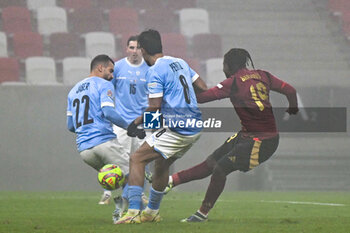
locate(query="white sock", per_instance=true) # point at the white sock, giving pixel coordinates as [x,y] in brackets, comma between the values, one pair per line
[107,192]
[205,215]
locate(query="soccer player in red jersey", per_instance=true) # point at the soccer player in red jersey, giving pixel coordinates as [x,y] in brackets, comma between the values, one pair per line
[258,139]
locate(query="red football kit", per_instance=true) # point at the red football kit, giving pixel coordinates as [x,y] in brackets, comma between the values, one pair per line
[248,91]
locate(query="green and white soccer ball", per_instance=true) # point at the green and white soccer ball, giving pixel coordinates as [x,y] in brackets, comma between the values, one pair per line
[111,177]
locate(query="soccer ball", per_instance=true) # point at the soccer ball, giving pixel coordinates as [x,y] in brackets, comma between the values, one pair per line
[111,177]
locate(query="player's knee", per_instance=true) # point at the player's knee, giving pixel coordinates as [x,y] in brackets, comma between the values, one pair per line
[136,158]
[220,172]
[211,163]
[91,161]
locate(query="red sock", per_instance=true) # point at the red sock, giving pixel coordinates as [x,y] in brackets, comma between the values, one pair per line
[215,188]
[197,172]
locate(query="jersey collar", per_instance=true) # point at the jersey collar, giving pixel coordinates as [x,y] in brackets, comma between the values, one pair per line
[133,65]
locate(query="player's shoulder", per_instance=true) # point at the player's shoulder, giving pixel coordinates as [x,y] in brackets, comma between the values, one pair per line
[165,60]
[102,82]
[98,83]
[160,66]
[144,64]
[264,72]
[170,59]
[166,63]
[120,62]
[77,85]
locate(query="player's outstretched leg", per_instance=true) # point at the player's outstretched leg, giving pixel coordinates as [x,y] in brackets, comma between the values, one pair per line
[215,188]
[200,171]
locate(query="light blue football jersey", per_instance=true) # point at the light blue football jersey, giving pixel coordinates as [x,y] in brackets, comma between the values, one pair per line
[85,102]
[172,78]
[131,94]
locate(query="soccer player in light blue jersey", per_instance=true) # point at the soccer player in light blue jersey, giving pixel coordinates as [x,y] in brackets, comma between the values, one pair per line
[172,85]
[90,114]
[130,91]
[131,99]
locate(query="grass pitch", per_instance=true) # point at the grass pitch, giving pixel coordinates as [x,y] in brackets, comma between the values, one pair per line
[246,212]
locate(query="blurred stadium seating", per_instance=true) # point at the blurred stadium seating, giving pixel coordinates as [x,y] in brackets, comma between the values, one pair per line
[16,19]
[3,45]
[83,20]
[76,4]
[51,20]
[27,44]
[123,20]
[35,4]
[9,67]
[40,71]
[68,43]
[75,69]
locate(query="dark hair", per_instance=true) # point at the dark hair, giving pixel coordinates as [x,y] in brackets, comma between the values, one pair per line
[132,38]
[237,59]
[104,59]
[150,41]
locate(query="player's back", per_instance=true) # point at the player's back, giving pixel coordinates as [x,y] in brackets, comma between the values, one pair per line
[85,102]
[250,98]
[172,79]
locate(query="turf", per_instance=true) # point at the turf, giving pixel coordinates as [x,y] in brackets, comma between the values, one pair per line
[234,212]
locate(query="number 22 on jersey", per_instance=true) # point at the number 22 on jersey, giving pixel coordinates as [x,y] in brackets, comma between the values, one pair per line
[76,103]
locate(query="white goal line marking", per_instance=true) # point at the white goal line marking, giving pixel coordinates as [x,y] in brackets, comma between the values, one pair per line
[305,203]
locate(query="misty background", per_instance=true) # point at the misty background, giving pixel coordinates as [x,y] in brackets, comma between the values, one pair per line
[299,41]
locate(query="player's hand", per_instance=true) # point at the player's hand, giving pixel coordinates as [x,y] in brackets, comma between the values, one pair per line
[141,133]
[292,110]
[132,130]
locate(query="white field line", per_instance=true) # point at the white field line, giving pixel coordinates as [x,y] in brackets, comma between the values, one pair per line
[182,200]
[286,202]
[305,203]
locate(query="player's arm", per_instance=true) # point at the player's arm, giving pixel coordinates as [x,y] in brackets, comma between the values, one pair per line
[70,125]
[113,116]
[220,91]
[287,90]
[199,85]
[155,98]
[107,95]
[155,93]
[115,71]
[154,104]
